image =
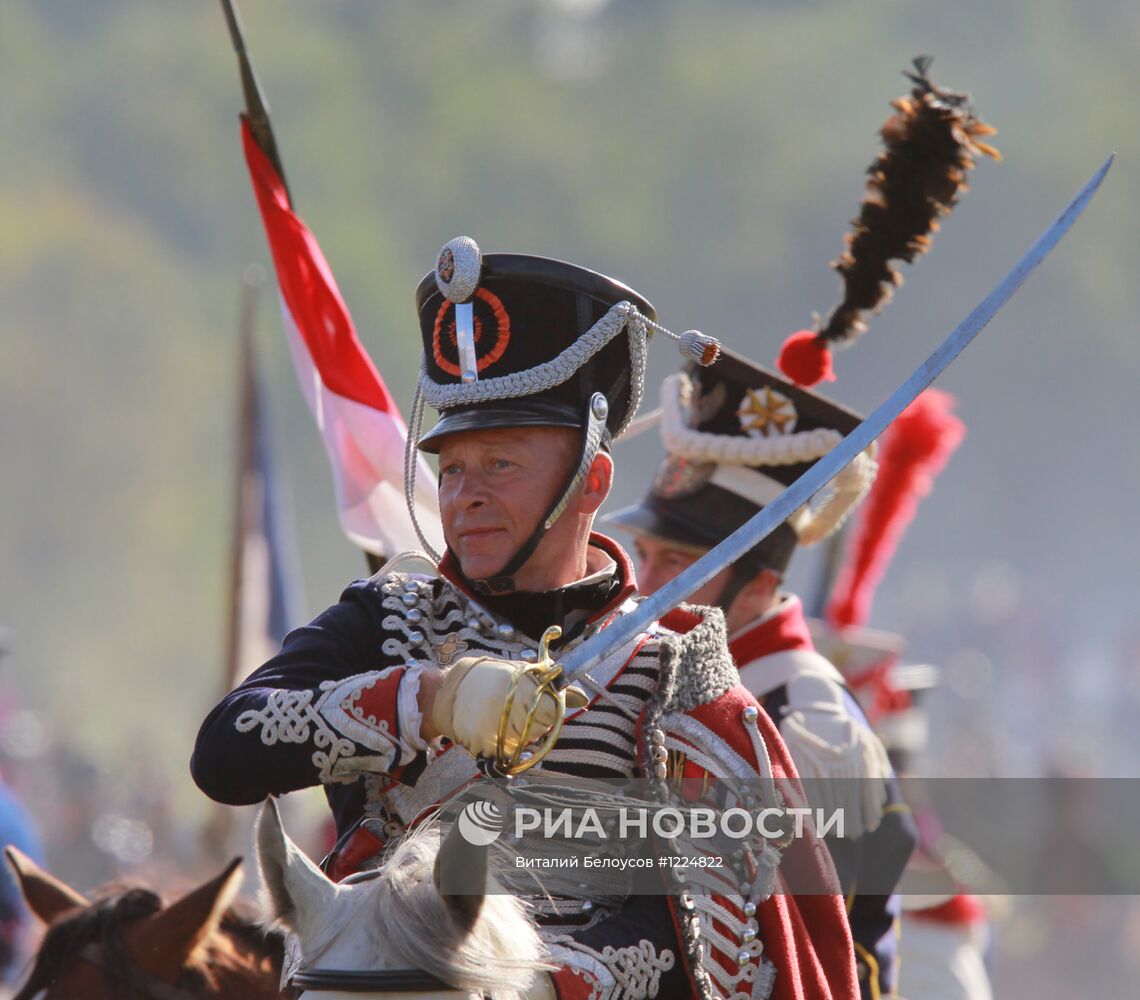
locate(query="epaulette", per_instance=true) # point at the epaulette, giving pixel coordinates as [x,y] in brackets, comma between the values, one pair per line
[838,756]
[412,562]
[704,668]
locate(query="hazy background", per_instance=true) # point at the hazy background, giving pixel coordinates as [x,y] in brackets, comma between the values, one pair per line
[709,154]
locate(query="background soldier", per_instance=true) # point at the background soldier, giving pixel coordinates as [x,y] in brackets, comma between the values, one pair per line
[736,435]
[946,931]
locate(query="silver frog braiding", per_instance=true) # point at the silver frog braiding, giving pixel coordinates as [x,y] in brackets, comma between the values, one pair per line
[656,757]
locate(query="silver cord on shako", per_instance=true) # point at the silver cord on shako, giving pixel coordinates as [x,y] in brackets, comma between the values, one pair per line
[457,276]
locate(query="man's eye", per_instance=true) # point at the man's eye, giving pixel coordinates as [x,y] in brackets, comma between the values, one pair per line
[448,470]
[501,463]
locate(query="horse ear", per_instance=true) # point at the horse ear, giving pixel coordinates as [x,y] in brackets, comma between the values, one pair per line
[164,942]
[292,884]
[46,895]
[461,877]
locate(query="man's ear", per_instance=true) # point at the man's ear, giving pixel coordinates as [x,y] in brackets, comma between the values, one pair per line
[596,484]
[763,587]
[755,598]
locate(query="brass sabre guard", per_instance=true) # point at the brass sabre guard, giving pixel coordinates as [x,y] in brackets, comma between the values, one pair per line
[509,752]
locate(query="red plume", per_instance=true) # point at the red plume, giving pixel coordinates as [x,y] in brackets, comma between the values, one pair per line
[915,448]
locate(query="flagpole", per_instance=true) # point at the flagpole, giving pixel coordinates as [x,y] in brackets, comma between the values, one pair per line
[252,279]
[256,106]
[217,832]
[828,570]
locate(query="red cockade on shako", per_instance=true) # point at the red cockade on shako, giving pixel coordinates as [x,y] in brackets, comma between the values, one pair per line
[491,333]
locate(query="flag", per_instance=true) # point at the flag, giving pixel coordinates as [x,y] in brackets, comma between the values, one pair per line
[363,432]
[264,582]
[264,590]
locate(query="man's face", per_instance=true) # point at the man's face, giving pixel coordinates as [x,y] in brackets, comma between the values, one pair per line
[658,561]
[494,486]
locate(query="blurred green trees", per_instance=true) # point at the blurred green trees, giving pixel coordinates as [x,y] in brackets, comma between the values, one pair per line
[708,154]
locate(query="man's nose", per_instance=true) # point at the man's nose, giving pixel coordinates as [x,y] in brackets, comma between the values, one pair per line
[649,577]
[473,490]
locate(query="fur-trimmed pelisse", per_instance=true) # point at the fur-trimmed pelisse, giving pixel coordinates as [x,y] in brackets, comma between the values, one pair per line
[930,144]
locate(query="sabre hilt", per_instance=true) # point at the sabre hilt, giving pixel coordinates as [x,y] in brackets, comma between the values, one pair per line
[512,755]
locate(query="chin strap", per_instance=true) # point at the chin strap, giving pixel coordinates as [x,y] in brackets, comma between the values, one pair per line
[592,438]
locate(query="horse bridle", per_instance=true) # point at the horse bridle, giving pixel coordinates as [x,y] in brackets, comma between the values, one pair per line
[137,978]
[349,981]
[317,980]
[379,981]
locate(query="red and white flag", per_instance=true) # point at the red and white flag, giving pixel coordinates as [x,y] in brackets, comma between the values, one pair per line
[363,431]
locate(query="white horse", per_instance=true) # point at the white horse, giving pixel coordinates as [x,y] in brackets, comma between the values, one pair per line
[392,934]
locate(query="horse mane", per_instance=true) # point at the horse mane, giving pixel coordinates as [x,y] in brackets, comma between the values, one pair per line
[243,926]
[243,923]
[499,955]
[103,921]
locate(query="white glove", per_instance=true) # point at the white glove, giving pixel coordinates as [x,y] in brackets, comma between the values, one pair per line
[472,698]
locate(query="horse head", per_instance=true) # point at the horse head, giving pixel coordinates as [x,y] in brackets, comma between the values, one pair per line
[424,925]
[128,944]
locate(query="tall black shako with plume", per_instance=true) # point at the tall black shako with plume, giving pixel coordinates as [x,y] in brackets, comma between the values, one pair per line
[930,145]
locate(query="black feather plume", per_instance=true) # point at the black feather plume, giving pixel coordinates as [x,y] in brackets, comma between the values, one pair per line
[930,145]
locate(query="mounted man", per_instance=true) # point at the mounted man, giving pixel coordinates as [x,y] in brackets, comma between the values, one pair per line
[535,367]
[385,699]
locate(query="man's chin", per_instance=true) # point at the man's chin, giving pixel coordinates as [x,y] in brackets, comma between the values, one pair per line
[482,566]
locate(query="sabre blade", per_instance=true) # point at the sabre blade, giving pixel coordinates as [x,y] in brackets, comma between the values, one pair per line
[595,649]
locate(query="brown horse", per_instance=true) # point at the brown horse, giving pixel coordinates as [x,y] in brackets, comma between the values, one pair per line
[128,946]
